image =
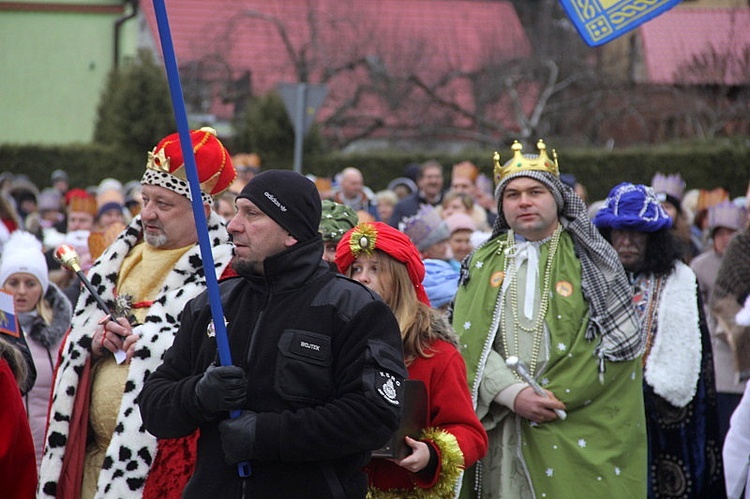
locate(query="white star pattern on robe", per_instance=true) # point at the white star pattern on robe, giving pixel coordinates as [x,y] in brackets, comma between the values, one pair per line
[467,325]
[581,443]
[550,472]
[545,381]
[561,347]
[479,265]
[617,471]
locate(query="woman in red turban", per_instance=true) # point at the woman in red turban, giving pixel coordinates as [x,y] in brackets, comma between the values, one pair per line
[385,260]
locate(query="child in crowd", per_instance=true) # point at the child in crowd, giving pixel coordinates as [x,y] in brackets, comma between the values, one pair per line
[385,260]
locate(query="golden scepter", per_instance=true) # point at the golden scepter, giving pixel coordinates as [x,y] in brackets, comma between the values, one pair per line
[67,256]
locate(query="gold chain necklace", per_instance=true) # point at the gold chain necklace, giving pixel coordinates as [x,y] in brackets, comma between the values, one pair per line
[538,327]
[654,290]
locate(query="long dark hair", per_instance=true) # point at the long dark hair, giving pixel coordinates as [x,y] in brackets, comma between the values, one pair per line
[662,251]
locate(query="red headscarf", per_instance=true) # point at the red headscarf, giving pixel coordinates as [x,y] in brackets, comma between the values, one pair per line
[369,236]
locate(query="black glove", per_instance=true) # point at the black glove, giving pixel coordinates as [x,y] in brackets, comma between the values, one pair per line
[221,389]
[238,437]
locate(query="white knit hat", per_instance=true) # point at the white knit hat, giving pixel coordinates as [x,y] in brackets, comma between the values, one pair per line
[23,253]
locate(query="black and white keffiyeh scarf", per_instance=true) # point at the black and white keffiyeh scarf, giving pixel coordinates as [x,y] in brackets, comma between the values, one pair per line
[603,281]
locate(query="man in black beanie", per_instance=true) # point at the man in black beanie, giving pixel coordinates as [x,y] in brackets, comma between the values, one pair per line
[318,364]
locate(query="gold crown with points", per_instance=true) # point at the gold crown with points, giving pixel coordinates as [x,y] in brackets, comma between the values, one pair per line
[526,162]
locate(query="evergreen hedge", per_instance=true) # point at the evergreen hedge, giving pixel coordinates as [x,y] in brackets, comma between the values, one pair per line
[86,164]
[701,165]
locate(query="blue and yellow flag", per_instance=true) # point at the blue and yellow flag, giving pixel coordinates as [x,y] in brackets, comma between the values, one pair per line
[8,322]
[599,21]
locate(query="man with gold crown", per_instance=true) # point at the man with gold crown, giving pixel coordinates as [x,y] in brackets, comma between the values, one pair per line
[548,290]
[96,443]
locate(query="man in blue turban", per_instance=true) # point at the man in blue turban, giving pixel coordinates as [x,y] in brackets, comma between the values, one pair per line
[684,454]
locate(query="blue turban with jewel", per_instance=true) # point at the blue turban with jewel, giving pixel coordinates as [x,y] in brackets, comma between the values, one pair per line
[632,207]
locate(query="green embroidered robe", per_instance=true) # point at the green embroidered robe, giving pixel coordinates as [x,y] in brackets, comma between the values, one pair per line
[599,450]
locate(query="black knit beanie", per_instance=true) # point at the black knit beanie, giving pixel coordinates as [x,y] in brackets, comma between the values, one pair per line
[289,198]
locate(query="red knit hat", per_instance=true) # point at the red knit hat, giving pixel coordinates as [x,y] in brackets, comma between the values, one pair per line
[166,167]
[369,236]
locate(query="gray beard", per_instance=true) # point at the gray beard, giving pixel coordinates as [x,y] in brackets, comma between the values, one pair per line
[156,241]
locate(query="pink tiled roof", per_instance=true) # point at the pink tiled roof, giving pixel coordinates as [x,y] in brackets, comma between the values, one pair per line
[720,38]
[423,37]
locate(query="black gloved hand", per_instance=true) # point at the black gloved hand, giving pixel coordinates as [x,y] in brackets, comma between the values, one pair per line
[238,437]
[221,388]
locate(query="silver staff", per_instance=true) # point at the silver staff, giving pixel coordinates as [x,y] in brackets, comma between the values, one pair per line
[519,366]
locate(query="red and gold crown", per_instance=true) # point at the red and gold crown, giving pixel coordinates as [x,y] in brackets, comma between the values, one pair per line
[81,201]
[215,170]
[526,162]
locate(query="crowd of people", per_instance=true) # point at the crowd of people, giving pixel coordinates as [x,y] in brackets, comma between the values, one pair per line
[453,335]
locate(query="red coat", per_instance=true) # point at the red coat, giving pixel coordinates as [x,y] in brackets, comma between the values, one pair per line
[17,456]
[449,408]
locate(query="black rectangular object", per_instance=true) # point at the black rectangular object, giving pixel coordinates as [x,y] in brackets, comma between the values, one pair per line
[413,420]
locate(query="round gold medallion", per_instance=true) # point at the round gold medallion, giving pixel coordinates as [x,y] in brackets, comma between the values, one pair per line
[564,288]
[496,279]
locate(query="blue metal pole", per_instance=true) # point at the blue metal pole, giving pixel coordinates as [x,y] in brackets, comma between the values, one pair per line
[186,144]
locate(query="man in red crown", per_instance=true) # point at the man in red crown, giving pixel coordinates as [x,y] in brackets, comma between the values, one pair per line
[96,445]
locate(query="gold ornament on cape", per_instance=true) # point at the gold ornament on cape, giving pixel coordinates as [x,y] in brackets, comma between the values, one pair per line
[123,305]
[363,240]
[529,162]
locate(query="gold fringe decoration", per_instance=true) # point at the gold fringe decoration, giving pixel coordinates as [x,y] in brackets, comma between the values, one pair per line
[452,465]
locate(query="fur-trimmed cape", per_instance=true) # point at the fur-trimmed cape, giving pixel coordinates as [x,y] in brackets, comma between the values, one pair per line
[132,450]
[674,364]
[684,455]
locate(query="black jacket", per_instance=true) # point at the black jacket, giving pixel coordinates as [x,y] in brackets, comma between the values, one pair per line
[320,410]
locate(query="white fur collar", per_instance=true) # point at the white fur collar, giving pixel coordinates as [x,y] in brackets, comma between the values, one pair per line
[131,449]
[674,364]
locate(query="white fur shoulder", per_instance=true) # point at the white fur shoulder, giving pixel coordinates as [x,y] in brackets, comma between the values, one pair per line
[674,363]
